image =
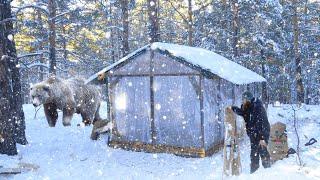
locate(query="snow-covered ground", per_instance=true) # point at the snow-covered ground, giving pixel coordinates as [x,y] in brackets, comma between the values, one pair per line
[68,153]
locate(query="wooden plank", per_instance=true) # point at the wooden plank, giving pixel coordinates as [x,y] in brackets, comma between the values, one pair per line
[153,131]
[201,111]
[111,110]
[108,98]
[158,148]
[154,74]
[214,148]
[8,171]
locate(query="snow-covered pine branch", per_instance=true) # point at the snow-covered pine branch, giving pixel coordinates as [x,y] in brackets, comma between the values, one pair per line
[34,6]
[35,65]
[32,54]
[63,13]
[117,27]
[7,20]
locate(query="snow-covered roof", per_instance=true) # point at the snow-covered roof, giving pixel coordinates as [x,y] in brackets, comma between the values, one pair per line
[202,58]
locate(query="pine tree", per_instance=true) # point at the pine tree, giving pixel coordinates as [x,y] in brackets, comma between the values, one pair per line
[12,124]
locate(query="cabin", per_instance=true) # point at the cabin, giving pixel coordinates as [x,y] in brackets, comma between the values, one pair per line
[171,98]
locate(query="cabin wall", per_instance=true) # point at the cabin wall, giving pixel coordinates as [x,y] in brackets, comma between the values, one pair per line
[177,111]
[213,126]
[137,66]
[172,93]
[176,102]
[130,107]
[163,64]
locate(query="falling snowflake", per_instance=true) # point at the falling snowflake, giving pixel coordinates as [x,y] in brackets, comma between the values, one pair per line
[108,34]
[10,37]
[158,106]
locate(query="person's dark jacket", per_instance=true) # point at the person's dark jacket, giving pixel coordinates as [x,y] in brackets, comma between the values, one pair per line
[255,116]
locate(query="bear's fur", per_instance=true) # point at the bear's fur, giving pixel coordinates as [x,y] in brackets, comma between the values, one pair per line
[70,96]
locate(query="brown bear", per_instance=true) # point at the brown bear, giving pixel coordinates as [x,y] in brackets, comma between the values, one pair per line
[70,96]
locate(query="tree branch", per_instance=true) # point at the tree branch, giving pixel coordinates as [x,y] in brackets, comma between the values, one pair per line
[7,20]
[32,54]
[44,10]
[182,16]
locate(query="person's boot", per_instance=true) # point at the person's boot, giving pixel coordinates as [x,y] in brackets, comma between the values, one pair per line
[253,167]
[266,163]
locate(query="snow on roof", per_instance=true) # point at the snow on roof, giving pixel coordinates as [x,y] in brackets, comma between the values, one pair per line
[212,62]
[203,58]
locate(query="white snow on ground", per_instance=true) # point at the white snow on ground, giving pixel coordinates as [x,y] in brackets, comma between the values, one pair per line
[68,153]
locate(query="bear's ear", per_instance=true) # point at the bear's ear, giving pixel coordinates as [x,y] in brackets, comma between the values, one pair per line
[51,79]
[46,87]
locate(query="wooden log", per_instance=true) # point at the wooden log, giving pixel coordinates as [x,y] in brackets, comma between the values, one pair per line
[231,153]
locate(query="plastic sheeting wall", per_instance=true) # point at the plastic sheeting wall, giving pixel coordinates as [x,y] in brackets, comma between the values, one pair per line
[139,65]
[131,107]
[177,111]
[212,126]
[176,103]
[166,65]
[218,94]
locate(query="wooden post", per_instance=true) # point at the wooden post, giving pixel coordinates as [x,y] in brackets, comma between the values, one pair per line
[108,97]
[153,131]
[201,112]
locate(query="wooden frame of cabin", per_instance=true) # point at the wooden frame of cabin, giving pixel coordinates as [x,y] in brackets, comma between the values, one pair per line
[117,141]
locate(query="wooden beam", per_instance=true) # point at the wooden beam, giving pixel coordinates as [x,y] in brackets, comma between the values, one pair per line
[153,131]
[154,74]
[159,148]
[201,111]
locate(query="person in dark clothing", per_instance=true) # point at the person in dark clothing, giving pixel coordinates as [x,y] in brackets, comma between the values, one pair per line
[257,127]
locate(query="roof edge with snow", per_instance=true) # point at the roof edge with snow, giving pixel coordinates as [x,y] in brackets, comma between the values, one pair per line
[206,60]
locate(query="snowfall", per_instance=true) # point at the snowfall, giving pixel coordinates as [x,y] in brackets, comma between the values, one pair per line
[68,153]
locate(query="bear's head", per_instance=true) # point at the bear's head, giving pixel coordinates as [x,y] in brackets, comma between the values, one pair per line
[40,92]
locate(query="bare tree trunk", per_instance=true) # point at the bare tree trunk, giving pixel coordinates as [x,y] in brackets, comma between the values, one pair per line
[154,33]
[125,26]
[12,125]
[14,76]
[224,23]
[52,37]
[297,57]
[7,126]
[264,84]
[190,23]
[235,27]
[41,58]
[113,59]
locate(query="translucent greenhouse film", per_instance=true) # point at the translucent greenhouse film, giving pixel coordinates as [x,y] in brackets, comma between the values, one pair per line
[213,124]
[139,65]
[163,64]
[131,107]
[177,111]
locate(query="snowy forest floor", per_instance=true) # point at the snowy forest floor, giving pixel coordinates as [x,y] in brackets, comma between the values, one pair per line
[68,153]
